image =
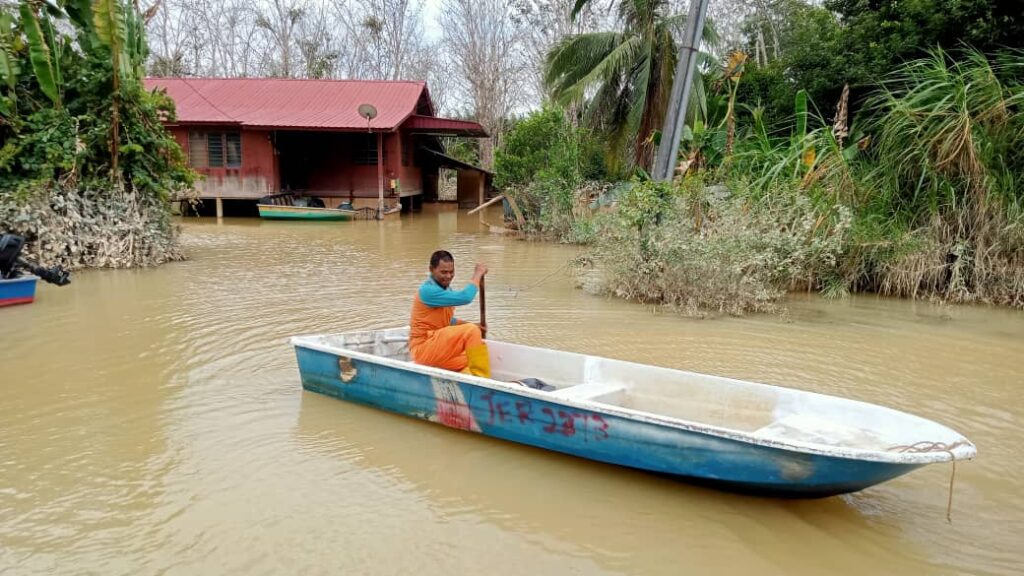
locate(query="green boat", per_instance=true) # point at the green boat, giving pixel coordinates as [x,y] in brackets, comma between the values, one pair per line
[272,212]
[287,206]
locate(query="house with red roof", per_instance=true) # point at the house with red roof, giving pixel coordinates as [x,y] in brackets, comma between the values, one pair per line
[253,137]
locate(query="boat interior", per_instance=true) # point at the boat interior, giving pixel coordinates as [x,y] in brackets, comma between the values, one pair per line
[763,411]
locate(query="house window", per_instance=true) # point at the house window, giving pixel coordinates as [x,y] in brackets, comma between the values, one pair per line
[365,150]
[233,147]
[197,150]
[406,149]
[215,149]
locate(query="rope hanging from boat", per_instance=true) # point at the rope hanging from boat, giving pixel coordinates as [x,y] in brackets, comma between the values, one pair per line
[543,280]
[928,446]
[515,290]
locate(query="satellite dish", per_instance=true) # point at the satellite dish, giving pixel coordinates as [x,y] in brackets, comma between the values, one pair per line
[367,111]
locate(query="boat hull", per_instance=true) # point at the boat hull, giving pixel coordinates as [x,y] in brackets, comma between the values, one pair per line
[272,212]
[591,433]
[20,290]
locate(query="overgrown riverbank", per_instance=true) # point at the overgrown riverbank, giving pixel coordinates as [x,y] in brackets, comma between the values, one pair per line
[87,169]
[924,200]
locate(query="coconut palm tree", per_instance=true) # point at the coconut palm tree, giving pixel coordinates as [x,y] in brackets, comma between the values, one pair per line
[625,77]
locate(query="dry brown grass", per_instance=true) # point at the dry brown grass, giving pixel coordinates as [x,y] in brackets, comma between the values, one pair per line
[722,256]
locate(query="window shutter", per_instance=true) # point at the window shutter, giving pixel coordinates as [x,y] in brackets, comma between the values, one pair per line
[197,149]
[215,142]
[233,141]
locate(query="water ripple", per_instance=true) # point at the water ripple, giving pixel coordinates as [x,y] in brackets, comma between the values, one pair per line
[153,422]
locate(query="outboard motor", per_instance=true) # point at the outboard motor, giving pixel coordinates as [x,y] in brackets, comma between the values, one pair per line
[12,266]
[10,247]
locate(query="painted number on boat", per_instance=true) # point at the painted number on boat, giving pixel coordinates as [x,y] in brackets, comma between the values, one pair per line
[552,421]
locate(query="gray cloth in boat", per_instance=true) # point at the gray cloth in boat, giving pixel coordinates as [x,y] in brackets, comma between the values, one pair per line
[536,384]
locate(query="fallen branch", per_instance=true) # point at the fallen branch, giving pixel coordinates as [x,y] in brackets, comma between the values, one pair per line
[486,204]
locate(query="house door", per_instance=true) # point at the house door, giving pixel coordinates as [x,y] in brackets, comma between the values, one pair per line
[294,158]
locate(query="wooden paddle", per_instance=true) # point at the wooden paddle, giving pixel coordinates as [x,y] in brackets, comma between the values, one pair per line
[483,308]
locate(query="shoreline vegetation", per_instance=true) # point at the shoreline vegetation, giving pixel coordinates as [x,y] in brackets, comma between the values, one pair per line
[928,210]
[924,199]
[87,170]
[924,202]
[910,184]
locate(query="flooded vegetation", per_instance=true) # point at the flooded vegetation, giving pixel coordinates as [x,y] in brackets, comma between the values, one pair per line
[154,421]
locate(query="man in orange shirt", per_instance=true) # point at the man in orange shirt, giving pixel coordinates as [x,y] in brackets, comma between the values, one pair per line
[436,336]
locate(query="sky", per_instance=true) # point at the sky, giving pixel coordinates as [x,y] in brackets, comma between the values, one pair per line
[431,9]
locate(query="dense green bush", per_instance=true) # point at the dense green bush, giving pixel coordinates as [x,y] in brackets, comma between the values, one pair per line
[87,169]
[543,164]
[546,141]
[820,48]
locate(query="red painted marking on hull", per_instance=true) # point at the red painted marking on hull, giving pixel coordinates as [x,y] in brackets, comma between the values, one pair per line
[13,301]
[454,415]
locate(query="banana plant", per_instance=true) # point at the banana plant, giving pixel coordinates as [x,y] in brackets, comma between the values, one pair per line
[116,28]
[80,14]
[109,21]
[9,68]
[42,48]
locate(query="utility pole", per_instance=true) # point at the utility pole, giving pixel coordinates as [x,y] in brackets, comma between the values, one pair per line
[380,175]
[675,116]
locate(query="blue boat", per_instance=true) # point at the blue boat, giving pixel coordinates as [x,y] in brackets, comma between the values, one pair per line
[733,434]
[20,290]
[18,276]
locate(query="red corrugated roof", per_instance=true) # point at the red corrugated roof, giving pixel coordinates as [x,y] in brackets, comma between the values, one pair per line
[435,125]
[300,104]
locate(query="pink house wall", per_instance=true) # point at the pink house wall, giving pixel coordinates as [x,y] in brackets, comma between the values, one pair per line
[257,175]
[325,159]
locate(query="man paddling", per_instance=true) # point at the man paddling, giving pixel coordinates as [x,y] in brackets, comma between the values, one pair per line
[436,337]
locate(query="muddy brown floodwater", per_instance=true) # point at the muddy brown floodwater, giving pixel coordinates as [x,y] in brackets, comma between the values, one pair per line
[153,422]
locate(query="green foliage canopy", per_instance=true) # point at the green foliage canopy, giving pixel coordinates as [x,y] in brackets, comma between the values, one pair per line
[76,111]
[624,78]
[857,42]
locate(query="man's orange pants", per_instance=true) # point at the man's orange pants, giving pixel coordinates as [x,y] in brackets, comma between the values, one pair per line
[446,347]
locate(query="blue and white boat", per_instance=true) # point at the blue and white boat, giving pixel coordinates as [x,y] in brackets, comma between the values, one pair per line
[18,277]
[20,290]
[738,435]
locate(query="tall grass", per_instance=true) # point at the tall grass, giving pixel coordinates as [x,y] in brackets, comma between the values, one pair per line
[949,135]
[948,171]
[921,195]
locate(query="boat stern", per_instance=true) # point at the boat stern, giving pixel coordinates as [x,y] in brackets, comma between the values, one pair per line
[21,290]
